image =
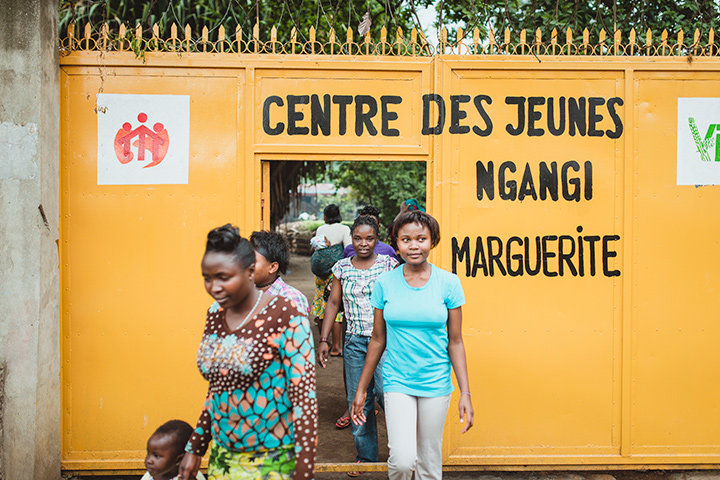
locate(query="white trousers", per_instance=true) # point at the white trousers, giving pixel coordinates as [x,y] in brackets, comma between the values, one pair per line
[415,428]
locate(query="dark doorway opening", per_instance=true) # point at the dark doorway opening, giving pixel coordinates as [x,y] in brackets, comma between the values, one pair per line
[297,193]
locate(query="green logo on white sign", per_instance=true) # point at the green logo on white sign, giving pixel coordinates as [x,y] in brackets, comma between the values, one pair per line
[704,146]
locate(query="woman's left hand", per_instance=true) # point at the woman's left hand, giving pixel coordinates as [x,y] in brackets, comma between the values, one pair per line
[189,466]
[467,413]
[357,408]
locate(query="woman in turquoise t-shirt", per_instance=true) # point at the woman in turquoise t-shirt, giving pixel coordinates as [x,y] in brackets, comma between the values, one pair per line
[418,322]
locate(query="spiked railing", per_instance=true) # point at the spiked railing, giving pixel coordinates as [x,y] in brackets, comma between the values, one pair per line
[238,42]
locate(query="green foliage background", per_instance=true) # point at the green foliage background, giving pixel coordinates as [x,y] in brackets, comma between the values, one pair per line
[285,14]
[577,15]
[341,14]
[383,184]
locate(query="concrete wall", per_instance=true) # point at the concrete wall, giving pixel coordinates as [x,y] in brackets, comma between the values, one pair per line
[29,285]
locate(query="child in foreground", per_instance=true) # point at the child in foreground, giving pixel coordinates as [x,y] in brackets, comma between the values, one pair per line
[165,450]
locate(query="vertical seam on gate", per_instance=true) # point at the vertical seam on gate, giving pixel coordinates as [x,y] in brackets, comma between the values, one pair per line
[252,170]
[65,318]
[627,306]
[265,195]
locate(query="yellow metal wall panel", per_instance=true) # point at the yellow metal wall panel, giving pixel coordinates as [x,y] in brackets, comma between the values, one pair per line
[675,406]
[133,293]
[536,338]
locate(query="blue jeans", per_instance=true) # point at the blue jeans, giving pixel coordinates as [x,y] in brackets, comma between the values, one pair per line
[365,435]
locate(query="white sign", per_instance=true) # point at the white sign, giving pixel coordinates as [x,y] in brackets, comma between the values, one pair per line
[143,139]
[698,141]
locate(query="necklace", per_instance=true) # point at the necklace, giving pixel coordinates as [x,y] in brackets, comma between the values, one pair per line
[247,317]
[267,284]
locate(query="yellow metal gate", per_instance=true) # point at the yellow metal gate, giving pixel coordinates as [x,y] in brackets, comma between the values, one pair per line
[591,274]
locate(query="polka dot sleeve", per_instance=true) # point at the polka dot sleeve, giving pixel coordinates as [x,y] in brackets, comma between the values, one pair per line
[298,360]
[200,438]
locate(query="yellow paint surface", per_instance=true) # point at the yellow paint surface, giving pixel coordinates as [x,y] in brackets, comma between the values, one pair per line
[584,370]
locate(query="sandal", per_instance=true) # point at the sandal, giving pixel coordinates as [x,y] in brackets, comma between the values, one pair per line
[342,422]
[354,474]
[336,354]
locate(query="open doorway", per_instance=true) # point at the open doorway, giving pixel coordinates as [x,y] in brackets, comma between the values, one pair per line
[296,193]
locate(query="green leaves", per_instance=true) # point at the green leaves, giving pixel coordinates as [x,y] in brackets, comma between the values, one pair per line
[343,14]
[383,184]
[285,14]
[593,15]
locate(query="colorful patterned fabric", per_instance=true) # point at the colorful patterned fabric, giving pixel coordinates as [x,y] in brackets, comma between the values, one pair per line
[262,385]
[275,464]
[357,287]
[323,259]
[279,287]
[317,309]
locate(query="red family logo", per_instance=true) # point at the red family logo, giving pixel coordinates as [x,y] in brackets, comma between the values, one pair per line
[143,140]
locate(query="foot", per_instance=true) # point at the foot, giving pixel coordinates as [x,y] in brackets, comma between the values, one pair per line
[354,474]
[336,352]
[343,421]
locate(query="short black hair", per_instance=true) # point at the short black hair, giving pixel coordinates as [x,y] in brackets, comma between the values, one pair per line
[180,432]
[272,246]
[332,214]
[227,239]
[370,210]
[366,220]
[422,218]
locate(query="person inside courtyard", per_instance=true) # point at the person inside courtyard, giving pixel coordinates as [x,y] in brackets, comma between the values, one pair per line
[380,247]
[352,285]
[272,258]
[331,233]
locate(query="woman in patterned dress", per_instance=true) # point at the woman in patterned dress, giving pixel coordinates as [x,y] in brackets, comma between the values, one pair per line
[259,419]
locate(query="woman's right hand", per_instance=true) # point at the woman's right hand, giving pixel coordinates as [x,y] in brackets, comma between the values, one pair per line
[357,409]
[189,466]
[323,351]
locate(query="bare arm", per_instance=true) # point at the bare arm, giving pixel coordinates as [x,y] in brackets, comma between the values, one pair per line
[189,466]
[331,311]
[403,208]
[197,445]
[456,351]
[376,347]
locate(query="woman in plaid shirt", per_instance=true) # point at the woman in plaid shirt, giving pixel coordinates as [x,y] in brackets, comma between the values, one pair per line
[353,281]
